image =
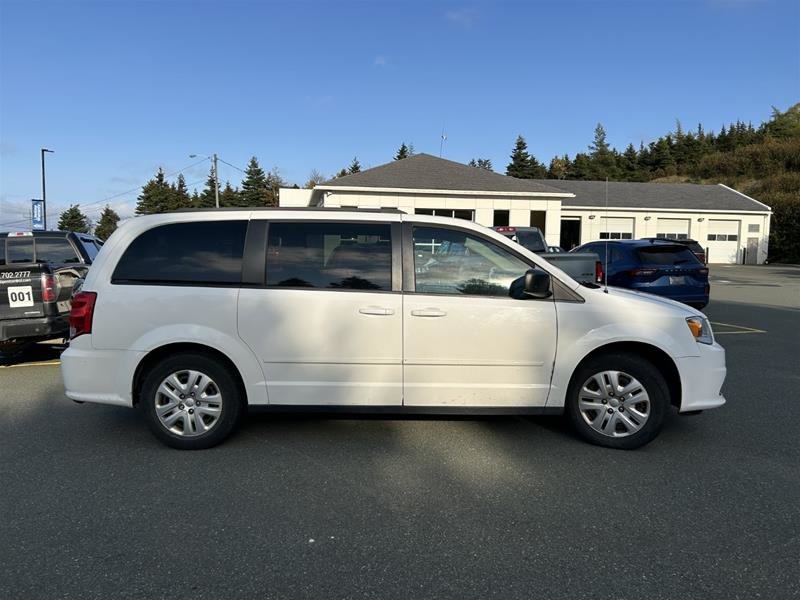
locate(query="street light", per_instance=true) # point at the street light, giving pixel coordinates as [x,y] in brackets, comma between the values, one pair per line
[44,189]
[213,159]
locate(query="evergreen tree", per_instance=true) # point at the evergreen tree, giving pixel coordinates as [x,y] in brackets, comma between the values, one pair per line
[581,167]
[342,173]
[402,152]
[274,183]
[156,196]
[603,160]
[229,196]
[206,198]
[481,163]
[355,166]
[180,194]
[107,223]
[254,185]
[629,164]
[520,165]
[559,167]
[73,219]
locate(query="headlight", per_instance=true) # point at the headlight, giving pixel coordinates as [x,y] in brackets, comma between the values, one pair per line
[701,329]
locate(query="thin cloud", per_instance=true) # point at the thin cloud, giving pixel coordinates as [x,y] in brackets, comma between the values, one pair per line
[380,61]
[464,17]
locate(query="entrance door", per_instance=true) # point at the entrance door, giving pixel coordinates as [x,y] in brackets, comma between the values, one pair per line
[752,251]
[327,327]
[570,233]
[471,338]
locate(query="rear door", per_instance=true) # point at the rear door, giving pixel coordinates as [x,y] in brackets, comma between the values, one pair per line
[470,337]
[327,323]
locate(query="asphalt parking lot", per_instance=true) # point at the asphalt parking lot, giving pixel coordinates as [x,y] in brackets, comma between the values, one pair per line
[315,507]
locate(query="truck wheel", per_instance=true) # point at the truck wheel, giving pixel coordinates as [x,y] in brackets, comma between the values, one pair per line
[618,401]
[190,401]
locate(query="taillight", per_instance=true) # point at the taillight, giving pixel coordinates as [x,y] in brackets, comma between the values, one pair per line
[642,272]
[598,271]
[49,288]
[702,271]
[80,317]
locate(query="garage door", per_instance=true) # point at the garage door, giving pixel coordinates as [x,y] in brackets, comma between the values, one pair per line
[674,229]
[723,241]
[616,228]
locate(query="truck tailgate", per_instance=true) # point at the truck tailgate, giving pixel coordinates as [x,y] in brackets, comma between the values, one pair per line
[21,292]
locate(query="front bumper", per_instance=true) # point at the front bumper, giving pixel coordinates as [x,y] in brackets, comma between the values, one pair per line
[702,378]
[38,328]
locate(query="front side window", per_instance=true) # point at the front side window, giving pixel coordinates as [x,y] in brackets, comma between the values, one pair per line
[330,255]
[449,261]
[203,252]
[55,250]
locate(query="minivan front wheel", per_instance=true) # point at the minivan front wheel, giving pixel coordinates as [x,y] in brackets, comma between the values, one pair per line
[190,401]
[618,401]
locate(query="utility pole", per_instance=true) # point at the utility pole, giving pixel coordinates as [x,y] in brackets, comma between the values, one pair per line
[44,190]
[216,180]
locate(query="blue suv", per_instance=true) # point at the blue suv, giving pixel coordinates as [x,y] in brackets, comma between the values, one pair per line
[658,267]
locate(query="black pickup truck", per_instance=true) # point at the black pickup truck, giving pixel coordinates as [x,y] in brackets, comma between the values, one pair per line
[37,272]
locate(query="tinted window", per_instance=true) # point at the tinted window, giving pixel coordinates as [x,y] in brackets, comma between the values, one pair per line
[55,250]
[667,255]
[19,250]
[332,255]
[531,239]
[201,252]
[447,261]
[90,247]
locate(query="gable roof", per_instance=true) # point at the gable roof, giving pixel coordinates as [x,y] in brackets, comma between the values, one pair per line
[625,194]
[426,172]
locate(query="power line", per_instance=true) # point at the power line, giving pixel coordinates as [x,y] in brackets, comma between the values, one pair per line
[225,162]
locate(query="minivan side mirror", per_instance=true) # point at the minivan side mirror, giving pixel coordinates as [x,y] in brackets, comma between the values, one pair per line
[537,284]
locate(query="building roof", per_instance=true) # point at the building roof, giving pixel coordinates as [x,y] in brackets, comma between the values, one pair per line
[686,196]
[426,172]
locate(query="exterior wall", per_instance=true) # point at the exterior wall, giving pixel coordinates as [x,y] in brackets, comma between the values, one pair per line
[293,197]
[646,225]
[483,206]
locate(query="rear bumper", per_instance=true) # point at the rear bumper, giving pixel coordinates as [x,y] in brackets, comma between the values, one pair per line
[102,376]
[702,378]
[36,328]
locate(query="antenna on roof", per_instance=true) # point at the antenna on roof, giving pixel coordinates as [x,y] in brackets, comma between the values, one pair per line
[441,143]
[608,233]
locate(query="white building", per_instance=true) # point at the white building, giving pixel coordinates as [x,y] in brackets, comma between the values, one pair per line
[732,226]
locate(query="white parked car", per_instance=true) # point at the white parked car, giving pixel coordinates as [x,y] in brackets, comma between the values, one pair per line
[196,316]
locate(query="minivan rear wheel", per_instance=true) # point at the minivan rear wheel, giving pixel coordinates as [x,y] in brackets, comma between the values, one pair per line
[618,400]
[190,401]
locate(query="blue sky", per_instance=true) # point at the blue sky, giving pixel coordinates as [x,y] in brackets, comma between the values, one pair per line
[118,88]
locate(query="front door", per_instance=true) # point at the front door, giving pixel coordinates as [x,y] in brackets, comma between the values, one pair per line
[752,251]
[471,339]
[327,325]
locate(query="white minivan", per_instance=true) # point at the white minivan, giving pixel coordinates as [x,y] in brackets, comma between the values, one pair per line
[197,316]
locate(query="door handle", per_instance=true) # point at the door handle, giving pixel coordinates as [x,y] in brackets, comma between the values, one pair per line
[376,310]
[428,312]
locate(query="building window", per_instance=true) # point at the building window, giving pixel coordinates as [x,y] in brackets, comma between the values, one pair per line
[753,228]
[538,219]
[616,235]
[722,237]
[501,218]
[467,215]
[672,236]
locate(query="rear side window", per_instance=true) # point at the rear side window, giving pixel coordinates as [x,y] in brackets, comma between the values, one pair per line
[19,250]
[204,252]
[666,255]
[55,250]
[330,255]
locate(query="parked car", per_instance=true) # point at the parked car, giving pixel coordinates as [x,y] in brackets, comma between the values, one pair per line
[655,266]
[37,273]
[195,317]
[693,245]
[583,266]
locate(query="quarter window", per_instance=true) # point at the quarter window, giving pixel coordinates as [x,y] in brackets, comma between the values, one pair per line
[330,255]
[202,252]
[449,261]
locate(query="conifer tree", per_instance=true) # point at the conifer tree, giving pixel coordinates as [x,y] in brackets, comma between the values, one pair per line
[180,194]
[73,219]
[402,152]
[206,198]
[481,163]
[520,165]
[107,224]
[355,166]
[156,196]
[254,185]
[229,196]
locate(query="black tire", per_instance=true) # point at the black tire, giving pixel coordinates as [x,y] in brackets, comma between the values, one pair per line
[639,368]
[231,403]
